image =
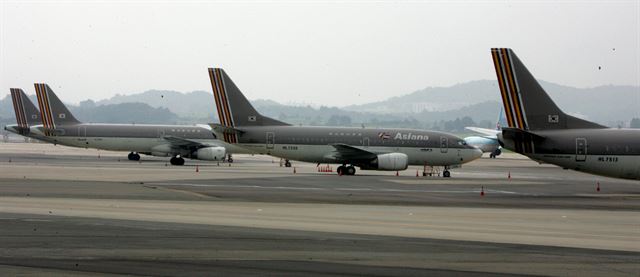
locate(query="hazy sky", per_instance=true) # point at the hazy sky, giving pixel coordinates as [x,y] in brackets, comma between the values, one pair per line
[319,52]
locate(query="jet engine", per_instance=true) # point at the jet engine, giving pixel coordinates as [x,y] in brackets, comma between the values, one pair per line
[210,153]
[392,161]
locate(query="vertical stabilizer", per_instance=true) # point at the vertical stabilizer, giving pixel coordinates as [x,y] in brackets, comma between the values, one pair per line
[527,106]
[27,114]
[53,111]
[234,110]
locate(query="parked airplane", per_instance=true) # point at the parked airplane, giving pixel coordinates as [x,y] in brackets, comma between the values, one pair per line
[538,129]
[374,149]
[488,142]
[176,141]
[27,115]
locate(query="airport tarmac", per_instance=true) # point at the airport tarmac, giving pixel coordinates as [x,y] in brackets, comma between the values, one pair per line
[67,211]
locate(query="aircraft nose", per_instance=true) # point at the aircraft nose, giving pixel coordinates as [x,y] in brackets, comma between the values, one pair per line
[477,153]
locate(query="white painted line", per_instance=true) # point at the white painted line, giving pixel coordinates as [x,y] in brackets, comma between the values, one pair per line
[474,191]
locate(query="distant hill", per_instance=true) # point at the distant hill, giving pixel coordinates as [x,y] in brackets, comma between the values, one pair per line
[435,99]
[605,104]
[88,111]
[433,107]
[123,113]
[195,104]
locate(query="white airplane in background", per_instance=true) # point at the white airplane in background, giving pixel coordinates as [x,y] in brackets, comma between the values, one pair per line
[488,142]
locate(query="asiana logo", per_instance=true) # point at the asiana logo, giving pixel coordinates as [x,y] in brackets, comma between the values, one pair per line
[410,136]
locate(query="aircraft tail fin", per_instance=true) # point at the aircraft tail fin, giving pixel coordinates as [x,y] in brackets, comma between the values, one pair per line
[501,121]
[234,110]
[527,106]
[27,114]
[52,110]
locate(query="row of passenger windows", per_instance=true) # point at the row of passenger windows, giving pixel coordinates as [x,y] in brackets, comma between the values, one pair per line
[185,131]
[359,141]
[345,134]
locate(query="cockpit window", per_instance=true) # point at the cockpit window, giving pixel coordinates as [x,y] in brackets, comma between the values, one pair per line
[462,142]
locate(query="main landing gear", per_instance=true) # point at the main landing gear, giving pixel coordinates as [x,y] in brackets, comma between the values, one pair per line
[133,156]
[346,170]
[287,163]
[229,158]
[177,160]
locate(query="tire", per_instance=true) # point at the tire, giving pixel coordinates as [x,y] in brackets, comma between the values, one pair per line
[287,164]
[340,170]
[176,161]
[350,170]
[446,174]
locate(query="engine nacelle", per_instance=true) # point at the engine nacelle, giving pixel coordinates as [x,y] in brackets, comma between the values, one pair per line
[210,153]
[392,161]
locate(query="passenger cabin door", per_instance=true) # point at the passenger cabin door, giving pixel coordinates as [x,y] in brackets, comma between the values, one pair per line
[271,140]
[82,132]
[365,142]
[444,145]
[581,149]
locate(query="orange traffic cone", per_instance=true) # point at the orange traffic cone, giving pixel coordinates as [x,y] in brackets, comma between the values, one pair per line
[598,187]
[294,170]
[197,168]
[397,173]
[482,191]
[509,175]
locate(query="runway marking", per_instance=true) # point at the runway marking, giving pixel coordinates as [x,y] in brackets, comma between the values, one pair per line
[595,229]
[337,189]
[35,220]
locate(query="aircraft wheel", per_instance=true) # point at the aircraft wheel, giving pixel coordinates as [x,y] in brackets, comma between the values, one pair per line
[176,161]
[350,170]
[340,170]
[287,163]
[229,159]
[446,174]
[133,156]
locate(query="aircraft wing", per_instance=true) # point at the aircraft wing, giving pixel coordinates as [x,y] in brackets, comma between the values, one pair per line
[224,129]
[487,132]
[182,143]
[352,153]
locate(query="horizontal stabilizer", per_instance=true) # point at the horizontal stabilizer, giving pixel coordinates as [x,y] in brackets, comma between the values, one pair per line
[225,129]
[519,134]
